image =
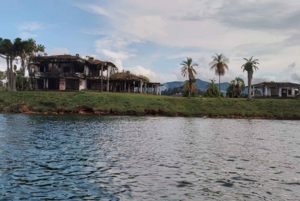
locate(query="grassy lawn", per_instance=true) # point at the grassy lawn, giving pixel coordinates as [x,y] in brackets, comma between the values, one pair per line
[41,101]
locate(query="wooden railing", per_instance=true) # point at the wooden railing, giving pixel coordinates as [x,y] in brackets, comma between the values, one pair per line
[58,74]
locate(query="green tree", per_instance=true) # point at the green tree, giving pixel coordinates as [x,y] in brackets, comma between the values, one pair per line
[189,71]
[2,78]
[250,66]
[193,90]
[219,64]
[212,89]
[30,49]
[235,87]
[6,48]
[10,51]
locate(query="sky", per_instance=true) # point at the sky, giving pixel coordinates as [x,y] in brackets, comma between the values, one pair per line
[153,37]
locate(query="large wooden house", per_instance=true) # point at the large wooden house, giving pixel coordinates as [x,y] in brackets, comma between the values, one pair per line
[67,72]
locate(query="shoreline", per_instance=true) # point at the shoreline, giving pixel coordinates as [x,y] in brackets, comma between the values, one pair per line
[83,110]
[114,104]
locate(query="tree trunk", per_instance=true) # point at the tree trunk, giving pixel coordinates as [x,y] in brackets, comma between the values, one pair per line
[29,78]
[190,83]
[12,76]
[101,78]
[219,85]
[249,85]
[8,74]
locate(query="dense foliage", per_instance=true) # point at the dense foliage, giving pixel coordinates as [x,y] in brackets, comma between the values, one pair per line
[235,88]
[212,89]
[18,51]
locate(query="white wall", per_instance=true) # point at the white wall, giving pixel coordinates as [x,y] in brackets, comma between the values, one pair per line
[82,84]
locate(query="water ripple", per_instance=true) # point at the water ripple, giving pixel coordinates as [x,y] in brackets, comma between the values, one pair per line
[146,158]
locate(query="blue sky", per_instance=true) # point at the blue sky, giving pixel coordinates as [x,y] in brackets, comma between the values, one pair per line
[153,37]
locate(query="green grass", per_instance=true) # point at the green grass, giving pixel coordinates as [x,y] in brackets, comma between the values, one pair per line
[45,101]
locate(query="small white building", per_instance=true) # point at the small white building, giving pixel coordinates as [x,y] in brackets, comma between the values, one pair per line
[276,89]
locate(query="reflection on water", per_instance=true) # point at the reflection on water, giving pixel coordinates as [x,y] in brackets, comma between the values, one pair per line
[148,158]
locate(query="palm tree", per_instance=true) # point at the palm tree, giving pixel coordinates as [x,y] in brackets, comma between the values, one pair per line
[211,89]
[186,87]
[236,87]
[250,66]
[188,70]
[219,64]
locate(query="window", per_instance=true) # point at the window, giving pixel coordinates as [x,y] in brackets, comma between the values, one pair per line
[289,92]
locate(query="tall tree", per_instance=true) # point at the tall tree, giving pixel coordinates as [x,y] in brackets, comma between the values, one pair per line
[30,49]
[219,64]
[6,49]
[250,66]
[189,71]
[23,49]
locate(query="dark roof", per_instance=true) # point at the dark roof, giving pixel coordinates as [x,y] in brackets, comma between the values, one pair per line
[58,58]
[96,62]
[70,58]
[126,76]
[276,84]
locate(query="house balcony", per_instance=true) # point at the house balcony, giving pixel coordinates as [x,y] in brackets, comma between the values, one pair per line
[57,75]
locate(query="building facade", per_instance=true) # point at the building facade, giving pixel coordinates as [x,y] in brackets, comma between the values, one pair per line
[275,89]
[67,72]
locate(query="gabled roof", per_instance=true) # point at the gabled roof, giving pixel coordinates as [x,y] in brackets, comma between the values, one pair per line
[276,84]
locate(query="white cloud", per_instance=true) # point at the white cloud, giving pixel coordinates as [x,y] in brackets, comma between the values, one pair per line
[31,26]
[117,55]
[153,76]
[25,35]
[92,8]
[114,42]
[58,51]
[144,27]
[119,65]
[236,28]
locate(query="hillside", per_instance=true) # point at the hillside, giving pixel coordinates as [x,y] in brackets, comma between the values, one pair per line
[199,83]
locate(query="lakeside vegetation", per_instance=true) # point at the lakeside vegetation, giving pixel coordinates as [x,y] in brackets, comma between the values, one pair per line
[55,102]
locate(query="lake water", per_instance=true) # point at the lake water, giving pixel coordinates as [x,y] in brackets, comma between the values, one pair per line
[148,158]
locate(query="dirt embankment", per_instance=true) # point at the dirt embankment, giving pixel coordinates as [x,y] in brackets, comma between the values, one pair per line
[85,110]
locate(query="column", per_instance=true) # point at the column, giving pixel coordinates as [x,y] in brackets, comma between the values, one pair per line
[279,92]
[266,91]
[101,87]
[141,86]
[108,74]
[47,83]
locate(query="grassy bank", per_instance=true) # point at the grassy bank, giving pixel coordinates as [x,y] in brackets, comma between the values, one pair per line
[140,104]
